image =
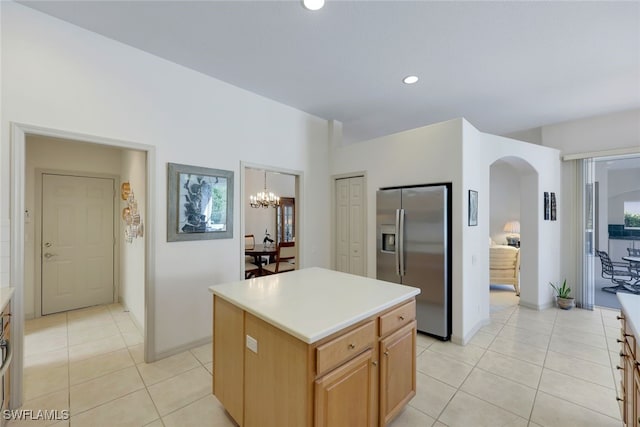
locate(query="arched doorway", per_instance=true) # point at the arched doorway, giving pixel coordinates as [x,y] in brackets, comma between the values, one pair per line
[514,198]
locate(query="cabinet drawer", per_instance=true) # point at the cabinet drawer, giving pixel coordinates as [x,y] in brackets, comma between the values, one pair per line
[343,348]
[397,318]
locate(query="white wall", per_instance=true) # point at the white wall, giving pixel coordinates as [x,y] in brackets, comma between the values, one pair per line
[257,220]
[608,132]
[456,152]
[59,155]
[132,255]
[505,200]
[58,76]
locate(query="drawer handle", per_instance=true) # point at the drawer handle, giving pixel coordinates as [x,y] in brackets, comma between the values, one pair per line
[622,354]
[619,317]
[620,368]
[619,340]
[401,317]
[352,346]
[619,399]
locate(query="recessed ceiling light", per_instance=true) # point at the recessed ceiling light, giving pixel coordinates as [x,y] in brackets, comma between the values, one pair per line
[313,4]
[410,80]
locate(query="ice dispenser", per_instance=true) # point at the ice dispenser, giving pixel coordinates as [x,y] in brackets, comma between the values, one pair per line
[388,238]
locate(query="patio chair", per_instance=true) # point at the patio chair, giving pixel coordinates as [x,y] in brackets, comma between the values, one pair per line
[620,273]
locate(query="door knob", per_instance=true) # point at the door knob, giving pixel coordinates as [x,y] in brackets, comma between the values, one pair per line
[48,255]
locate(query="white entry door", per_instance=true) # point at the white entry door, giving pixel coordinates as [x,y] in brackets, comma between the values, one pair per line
[77,242]
[350,220]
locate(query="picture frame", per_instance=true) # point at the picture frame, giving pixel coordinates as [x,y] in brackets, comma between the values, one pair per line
[473,208]
[199,203]
[547,206]
[553,213]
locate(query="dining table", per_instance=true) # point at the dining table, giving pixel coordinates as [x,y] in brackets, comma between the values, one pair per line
[258,251]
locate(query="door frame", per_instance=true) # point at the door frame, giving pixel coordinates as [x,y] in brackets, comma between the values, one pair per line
[19,131]
[334,221]
[299,211]
[37,285]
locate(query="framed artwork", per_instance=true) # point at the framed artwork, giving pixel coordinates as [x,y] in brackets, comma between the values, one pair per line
[473,208]
[547,206]
[553,206]
[199,203]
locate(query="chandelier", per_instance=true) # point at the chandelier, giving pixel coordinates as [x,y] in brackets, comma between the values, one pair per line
[264,199]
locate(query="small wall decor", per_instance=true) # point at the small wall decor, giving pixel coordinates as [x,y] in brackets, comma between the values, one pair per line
[553,206]
[473,208]
[200,203]
[130,215]
[547,206]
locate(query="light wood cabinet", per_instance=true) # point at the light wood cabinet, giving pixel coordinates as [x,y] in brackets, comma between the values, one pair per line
[345,397]
[397,372]
[265,377]
[630,375]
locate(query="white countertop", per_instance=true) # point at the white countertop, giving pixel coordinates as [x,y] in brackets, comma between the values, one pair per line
[313,303]
[631,306]
[5,296]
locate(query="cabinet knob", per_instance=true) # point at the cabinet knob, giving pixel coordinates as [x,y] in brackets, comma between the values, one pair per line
[401,317]
[352,346]
[619,340]
[386,353]
[375,363]
[619,317]
[620,367]
[622,354]
[619,399]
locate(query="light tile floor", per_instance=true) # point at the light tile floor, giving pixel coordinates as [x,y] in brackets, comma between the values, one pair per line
[526,368]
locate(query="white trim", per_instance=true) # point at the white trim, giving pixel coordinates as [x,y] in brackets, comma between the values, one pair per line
[605,153]
[185,347]
[466,339]
[18,157]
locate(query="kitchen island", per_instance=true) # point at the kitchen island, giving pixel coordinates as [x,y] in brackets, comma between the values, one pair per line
[313,347]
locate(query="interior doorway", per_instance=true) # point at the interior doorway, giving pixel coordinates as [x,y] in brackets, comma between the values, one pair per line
[265,225]
[22,228]
[513,230]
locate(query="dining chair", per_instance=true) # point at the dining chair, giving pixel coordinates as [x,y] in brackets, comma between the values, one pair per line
[285,255]
[250,267]
[620,273]
[633,251]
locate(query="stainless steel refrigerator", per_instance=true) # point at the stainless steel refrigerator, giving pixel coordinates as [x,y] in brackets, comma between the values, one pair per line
[413,236]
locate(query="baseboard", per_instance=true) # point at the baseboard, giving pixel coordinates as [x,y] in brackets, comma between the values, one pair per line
[465,340]
[537,307]
[184,347]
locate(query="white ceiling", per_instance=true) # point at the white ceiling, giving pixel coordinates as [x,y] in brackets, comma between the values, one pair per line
[505,66]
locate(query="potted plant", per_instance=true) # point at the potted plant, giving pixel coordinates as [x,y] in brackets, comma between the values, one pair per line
[563,299]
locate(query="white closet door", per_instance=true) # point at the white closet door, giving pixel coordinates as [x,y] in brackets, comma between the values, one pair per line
[350,223]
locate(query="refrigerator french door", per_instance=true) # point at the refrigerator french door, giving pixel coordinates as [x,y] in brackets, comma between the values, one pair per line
[413,232]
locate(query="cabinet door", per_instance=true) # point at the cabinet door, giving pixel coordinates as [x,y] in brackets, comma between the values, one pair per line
[345,397]
[397,371]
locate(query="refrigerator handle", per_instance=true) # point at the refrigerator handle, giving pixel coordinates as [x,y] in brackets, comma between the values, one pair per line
[398,271]
[400,236]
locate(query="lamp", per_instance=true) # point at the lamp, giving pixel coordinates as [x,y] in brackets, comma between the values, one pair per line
[513,228]
[264,199]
